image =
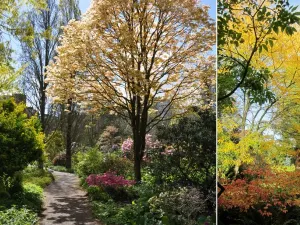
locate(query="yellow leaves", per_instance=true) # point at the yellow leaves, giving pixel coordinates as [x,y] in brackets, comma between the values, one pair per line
[118,51]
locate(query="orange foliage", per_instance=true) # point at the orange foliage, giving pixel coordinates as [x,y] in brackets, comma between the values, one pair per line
[262,189]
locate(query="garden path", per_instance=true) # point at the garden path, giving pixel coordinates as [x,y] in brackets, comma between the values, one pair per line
[66,203]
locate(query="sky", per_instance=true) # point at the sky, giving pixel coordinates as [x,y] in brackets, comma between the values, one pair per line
[84,4]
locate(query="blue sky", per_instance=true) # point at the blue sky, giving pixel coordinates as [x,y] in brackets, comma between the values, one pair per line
[84,4]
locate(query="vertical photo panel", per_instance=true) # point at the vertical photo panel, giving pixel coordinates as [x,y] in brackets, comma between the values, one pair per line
[258,112]
[108,112]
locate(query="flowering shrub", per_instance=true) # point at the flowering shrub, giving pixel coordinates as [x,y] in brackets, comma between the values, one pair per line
[262,189]
[127,146]
[108,179]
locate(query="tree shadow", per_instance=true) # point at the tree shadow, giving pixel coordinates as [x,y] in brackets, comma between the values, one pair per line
[70,210]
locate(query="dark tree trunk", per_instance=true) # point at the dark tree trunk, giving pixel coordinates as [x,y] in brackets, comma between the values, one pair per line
[222,189]
[69,136]
[139,126]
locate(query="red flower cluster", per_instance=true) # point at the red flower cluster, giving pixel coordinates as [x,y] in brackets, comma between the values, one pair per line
[108,179]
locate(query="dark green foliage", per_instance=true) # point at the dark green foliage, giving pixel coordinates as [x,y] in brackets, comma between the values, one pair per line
[253,217]
[97,193]
[193,159]
[22,207]
[20,138]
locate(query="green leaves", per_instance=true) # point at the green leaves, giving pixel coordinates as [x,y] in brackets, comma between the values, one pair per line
[21,142]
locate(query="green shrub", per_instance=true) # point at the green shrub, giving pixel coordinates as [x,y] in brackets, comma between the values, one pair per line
[55,145]
[97,193]
[36,176]
[134,212]
[95,162]
[18,216]
[181,206]
[125,214]
[31,196]
[21,139]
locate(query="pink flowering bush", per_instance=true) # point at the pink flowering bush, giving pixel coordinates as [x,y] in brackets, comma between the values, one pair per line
[127,147]
[108,179]
[115,186]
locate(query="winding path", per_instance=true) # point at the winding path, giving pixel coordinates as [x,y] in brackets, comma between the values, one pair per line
[66,203]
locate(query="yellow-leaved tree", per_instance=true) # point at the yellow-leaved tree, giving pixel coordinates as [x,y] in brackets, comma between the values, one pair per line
[132,56]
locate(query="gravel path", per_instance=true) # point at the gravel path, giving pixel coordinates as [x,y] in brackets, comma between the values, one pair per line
[66,203]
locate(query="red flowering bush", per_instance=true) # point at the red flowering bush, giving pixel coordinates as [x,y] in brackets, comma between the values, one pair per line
[263,189]
[112,184]
[108,179]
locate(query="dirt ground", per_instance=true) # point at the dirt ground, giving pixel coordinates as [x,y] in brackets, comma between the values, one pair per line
[66,203]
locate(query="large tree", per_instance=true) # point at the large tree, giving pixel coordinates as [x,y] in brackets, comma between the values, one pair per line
[127,56]
[37,54]
[70,10]
[46,26]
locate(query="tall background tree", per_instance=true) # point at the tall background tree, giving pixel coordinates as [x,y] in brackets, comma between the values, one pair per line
[70,10]
[36,54]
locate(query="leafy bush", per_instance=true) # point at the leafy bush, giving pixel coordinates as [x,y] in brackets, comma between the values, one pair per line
[109,140]
[188,155]
[59,160]
[183,206]
[36,176]
[18,216]
[55,145]
[21,139]
[31,196]
[97,193]
[95,162]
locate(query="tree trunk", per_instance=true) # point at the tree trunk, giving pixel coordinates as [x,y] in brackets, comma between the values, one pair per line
[43,121]
[137,146]
[69,136]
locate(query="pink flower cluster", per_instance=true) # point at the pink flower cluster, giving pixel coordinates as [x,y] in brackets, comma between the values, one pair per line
[108,179]
[150,144]
[127,145]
